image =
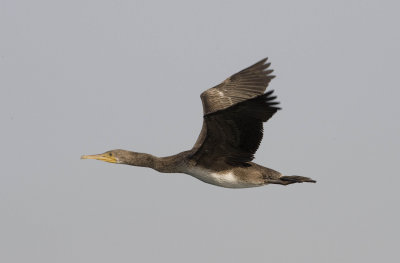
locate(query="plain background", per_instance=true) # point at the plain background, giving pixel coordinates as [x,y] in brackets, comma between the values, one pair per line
[83,77]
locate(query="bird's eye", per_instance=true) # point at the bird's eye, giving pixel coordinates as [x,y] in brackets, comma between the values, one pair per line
[110,154]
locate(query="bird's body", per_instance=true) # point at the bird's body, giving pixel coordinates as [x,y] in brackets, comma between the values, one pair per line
[236,177]
[234,112]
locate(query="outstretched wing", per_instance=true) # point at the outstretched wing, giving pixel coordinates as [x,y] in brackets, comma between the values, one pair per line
[244,85]
[234,112]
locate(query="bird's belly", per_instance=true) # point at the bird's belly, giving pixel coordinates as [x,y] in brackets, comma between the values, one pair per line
[224,178]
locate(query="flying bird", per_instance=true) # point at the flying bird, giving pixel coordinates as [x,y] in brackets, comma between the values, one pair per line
[233,116]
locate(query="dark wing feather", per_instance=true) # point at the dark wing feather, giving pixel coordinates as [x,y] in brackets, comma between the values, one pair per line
[233,135]
[234,112]
[244,85]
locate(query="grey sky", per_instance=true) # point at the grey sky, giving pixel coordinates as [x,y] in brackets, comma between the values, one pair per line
[83,77]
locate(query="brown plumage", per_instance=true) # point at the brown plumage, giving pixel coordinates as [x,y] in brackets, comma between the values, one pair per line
[234,112]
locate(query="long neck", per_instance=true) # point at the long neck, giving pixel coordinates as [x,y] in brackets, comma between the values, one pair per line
[169,164]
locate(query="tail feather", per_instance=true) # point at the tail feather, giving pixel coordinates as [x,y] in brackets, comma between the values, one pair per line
[296,179]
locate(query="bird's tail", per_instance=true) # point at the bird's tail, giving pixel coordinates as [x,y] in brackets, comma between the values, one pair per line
[296,179]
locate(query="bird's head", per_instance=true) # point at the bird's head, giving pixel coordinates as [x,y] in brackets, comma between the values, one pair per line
[113,156]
